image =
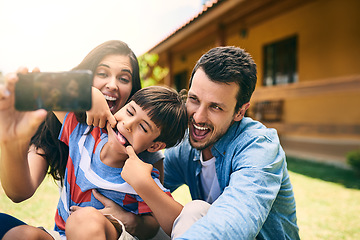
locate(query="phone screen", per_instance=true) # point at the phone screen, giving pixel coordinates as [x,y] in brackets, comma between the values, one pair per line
[54,91]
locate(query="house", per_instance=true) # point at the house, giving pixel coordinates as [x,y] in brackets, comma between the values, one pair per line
[308,58]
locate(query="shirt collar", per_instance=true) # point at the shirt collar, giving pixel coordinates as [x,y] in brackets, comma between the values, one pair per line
[221,145]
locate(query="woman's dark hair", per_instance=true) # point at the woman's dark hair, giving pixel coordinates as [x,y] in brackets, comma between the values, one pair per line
[46,137]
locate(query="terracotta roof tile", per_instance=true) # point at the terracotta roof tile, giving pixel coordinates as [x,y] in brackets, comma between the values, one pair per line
[206,7]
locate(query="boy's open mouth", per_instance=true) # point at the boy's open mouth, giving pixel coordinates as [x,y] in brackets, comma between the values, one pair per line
[121,138]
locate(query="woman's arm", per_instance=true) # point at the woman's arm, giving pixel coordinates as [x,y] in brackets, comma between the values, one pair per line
[21,169]
[138,175]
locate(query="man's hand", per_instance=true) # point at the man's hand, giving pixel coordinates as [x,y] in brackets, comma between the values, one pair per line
[135,172]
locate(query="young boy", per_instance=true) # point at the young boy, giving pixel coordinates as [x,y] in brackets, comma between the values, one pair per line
[154,118]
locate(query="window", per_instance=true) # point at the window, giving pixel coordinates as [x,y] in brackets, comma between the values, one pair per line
[268,111]
[180,80]
[280,62]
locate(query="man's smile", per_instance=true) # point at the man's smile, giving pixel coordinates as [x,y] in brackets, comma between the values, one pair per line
[199,132]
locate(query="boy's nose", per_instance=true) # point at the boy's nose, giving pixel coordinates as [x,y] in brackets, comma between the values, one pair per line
[127,126]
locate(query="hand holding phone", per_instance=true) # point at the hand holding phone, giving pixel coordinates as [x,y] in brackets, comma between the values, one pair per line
[54,91]
[16,127]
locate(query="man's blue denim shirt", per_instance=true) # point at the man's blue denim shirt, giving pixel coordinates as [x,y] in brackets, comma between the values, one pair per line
[257,200]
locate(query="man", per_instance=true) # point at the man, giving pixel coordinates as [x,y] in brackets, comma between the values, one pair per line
[230,161]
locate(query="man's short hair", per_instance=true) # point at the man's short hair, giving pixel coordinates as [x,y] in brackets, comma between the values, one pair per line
[230,64]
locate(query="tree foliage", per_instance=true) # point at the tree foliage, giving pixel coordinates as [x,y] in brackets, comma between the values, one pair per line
[150,72]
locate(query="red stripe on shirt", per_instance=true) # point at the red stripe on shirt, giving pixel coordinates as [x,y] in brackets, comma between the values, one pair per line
[156,171]
[70,124]
[96,133]
[59,221]
[143,208]
[129,200]
[77,195]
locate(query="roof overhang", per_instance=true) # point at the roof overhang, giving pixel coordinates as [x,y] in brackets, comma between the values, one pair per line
[221,13]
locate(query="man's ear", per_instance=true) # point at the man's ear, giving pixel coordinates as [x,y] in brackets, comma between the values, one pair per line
[241,112]
[156,146]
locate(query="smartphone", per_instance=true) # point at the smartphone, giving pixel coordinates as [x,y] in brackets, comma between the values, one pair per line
[54,91]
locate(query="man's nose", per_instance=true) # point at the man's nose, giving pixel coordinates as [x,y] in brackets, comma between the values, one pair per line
[200,115]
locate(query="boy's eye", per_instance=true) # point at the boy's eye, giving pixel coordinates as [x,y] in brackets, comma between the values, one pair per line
[143,128]
[129,112]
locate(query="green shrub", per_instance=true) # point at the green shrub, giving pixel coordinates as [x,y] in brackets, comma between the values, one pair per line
[353,159]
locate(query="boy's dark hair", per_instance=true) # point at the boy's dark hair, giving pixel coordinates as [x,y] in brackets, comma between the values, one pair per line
[230,64]
[166,109]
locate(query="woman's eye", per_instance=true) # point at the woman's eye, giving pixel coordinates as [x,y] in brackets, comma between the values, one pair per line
[124,79]
[102,75]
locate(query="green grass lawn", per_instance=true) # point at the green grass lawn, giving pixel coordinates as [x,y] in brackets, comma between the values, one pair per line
[328,202]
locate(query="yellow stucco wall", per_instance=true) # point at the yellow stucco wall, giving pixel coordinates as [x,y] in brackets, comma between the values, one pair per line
[186,61]
[328,47]
[328,38]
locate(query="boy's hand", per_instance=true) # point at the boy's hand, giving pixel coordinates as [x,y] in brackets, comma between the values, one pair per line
[99,113]
[135,172]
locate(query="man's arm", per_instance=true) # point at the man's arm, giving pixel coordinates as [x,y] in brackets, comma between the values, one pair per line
[243,207]
[138,175]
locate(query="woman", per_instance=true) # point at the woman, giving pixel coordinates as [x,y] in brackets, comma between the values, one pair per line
[23,168]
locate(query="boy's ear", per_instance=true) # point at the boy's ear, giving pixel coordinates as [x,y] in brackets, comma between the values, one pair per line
[156,146]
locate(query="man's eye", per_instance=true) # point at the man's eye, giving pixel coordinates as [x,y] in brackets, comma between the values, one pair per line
[217,108]
[193,99]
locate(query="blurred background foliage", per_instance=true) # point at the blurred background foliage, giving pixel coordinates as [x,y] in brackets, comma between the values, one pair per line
[150,72]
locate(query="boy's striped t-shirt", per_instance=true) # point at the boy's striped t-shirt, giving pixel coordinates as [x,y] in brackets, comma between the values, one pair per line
[85,171]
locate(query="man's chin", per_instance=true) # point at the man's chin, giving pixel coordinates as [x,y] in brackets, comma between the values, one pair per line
[198,145]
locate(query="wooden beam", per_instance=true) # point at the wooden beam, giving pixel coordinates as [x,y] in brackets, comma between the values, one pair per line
[309,88]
